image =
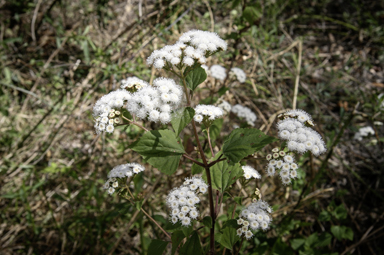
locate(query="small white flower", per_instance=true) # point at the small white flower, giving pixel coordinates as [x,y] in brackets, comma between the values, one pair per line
[288,159]
[111,190]
[254,225]
[193,214]
[248,234]
[186,221]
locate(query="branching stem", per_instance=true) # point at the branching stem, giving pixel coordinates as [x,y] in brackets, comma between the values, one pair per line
[152,219]
[207,171]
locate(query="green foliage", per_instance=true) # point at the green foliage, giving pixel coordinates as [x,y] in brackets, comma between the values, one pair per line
[161,149]
[223,174]
[157,247]
[251,14]
[207,221]
[192,246]
[195,77]
[177,237]
[228,238]
[342,232]
[181,118]
[243,142]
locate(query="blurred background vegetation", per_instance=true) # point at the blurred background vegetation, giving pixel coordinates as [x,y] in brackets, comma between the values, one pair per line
[58,57]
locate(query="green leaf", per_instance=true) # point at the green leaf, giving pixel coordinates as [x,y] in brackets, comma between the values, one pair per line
[177,237]
[157,247]
[196,169]
[223,175]
[251,14]
[195,78]
[170,227]
[324,239]
[297,243]
[229,238]
[311,240]
[187,230]
[215,129]
[348,234]
[181,118]
[342,232]
[340,212]
[337,231]
[324,216]
[232,223]
[161,149]
[243,142]
[207,221]
[192,246]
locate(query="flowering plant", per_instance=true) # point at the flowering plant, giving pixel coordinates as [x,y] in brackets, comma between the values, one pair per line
[162,102]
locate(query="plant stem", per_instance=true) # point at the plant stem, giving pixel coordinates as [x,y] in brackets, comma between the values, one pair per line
[206,166]
[193,160]
[241,244]
[152,219]
[135,123]
[209,142]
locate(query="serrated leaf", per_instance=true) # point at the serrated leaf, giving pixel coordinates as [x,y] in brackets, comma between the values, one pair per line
[177,237]
[192,246]
[243,142]
[161,149]
[157,247]
[207,221]
[251,14]
[181,118]
[223,175]
[195,78]
[229,238]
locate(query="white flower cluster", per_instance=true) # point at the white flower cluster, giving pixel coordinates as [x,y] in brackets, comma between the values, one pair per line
[133,84]
[250,172]
[218,72]
[225,106]
[285,163]
[182,200]
[363,132]
[157,102]
[192,46]
[207,113]
[105,113]
[246,113]
[301,138]
[239,73]
[121,171]
[255,216]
